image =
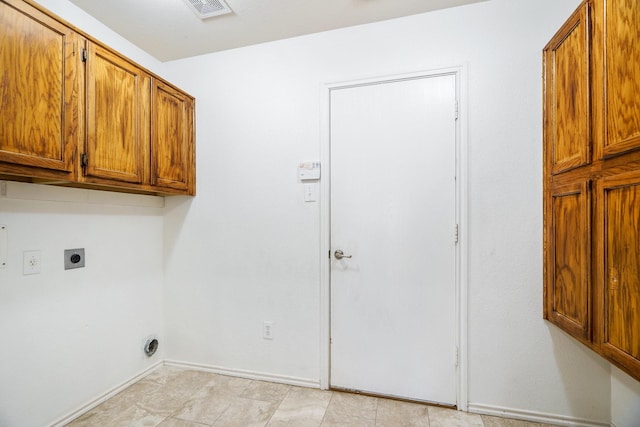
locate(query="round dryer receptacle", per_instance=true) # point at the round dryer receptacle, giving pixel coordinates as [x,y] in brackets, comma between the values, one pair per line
[151,347]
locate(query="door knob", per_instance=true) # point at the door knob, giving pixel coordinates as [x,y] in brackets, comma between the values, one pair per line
[339,254]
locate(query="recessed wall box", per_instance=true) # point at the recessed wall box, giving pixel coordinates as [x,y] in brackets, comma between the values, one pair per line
[73,258]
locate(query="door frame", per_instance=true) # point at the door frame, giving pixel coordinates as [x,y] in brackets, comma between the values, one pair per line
[461,200]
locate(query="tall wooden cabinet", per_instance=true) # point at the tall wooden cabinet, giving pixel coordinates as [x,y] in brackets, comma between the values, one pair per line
[75,112]
[592,179]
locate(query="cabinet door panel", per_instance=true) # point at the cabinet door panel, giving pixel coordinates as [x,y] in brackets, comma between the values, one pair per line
[567,94]
[117,117]
[619,217]
[568,296]
[171,139]
[622,76]
[38,95]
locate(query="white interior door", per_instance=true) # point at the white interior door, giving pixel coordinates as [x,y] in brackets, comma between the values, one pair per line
[393,329]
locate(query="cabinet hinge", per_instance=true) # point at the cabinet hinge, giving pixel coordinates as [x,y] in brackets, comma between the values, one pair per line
[456,233]
[84,55]
[83,160]
[456,109]
[457,356]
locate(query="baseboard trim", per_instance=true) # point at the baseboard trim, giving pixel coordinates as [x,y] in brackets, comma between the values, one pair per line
[532,416]
[252,375]
[103,397]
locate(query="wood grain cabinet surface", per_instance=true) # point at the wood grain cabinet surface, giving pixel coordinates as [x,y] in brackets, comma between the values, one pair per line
[567,94]
[592,179]
[569,238]
[38,93]
[172,122]
[117,118]
[76,113]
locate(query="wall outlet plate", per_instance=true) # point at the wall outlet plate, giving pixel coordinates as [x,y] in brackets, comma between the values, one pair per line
[73,258]
[31,263]
[267,330]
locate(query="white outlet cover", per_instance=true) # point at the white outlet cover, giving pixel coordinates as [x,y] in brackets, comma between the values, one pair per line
[267,330]
[31,262]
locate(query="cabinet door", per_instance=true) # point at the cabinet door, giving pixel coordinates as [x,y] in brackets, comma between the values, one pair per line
[568,243]
[567,130]
[117,105]
[172,151]
[38,93]
[619,253]
[618,69]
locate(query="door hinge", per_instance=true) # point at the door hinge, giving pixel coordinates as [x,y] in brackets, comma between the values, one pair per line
[83,160]
[456,109]
[456,233]
[84,55]
[457,356]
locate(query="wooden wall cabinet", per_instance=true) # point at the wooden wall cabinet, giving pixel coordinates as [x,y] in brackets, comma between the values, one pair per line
[76,113]
[592,179]
[172,120]
[569,251]
[38,93]
[117,118]
[568,94]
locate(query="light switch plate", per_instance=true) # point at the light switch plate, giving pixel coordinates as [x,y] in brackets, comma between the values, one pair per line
[310,192]
[73,258]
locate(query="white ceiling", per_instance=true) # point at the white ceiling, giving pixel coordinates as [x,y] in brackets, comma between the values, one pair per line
[168,29]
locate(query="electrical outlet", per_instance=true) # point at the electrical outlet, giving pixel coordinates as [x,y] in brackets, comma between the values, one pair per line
[31,262]
[73,258]
[267,330]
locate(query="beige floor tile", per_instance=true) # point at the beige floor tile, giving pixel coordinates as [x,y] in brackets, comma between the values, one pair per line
[225,385]
[164,401]
[246,413]
[131,395]
[205,409]
[301,408]
[161,374]
[174,397]
[176,389]
[335,420]
[442,417]
[174,422]
[188,380]
[130,417]
[355,405]
[265,391]
[393,413]
[506,422]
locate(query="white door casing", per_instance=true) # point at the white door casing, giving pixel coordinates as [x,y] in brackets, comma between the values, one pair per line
[390,177]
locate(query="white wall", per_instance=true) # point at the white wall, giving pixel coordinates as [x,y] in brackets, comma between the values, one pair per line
[246,249]
[625,400]
[67,337]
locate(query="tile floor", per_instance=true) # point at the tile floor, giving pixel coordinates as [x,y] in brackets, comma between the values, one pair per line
[173,397]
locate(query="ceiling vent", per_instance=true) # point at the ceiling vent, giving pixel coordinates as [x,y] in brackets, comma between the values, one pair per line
[208,8]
